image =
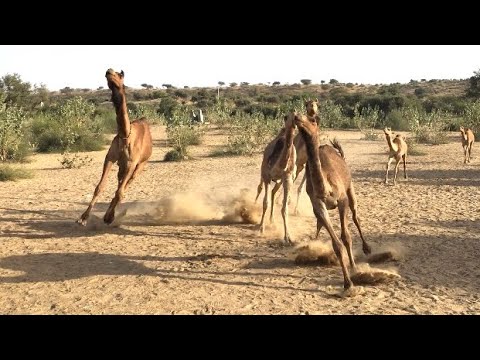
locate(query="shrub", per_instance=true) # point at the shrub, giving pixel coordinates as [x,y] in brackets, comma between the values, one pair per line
[8,173]
[71,126]
[74,161]
[173,155]
[12,141]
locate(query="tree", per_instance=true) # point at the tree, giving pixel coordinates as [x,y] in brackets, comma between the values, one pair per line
[244,83]
[474,88]
[17,92]
[276,83]
[322,82]
[333,81]
[146,86]
[233,84]
[168,86]
[306,81]
[221,83]
[40,94]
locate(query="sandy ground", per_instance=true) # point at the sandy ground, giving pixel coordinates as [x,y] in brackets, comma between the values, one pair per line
[171,253]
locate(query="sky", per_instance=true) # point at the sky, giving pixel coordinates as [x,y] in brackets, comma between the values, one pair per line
[84,66]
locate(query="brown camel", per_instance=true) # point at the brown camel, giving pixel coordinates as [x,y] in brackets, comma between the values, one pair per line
[467,142]
[131,148]
[278,165]
[398,151]
[329,185]
[312,109]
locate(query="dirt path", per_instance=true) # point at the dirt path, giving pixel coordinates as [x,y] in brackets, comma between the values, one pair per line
[203,265]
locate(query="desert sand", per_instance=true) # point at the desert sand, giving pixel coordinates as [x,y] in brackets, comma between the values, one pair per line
[178,246]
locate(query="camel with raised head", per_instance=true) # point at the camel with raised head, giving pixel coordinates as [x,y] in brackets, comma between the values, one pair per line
[130,148]
[278,165]
[312,109]
[398,151]
[329,185]
[467,142]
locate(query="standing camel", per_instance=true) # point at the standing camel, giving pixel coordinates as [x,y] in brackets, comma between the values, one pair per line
[278,165]
[131,148]
[467,142]
[329,185]
[398,151]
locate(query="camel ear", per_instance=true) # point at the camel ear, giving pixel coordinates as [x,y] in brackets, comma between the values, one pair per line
[122,74]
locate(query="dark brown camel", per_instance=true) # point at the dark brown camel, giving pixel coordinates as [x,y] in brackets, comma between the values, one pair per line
[131,148]
[329,185]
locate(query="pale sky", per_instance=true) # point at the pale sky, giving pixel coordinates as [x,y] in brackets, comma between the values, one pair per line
[84,66]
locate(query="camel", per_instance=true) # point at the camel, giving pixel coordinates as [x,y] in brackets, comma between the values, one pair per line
[312,109]
[329,185]
[131,148]
[398,151]
[467,142]
[278,165]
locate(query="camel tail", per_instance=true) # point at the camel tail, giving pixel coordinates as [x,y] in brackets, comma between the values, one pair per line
[336,144]
[259,189]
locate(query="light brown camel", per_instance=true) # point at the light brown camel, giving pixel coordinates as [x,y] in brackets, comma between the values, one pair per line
[467,142]
[131,148]
[398,151]
[278,165]
[312,109]
[329,185]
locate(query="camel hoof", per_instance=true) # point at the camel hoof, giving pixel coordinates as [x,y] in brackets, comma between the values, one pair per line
[352,291]
[82,222]
[367,250]
[108,219]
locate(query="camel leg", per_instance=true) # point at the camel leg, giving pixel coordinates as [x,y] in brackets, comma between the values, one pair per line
[274,191]
[352,201]
[345,235]
[137,171]
[287,184]
[470,152]
[110,159]
[110,214]
[265,207]
[465,154]
[396,171]
[319,227]
[390,159]
[404,156]
[300,191]
[338,247]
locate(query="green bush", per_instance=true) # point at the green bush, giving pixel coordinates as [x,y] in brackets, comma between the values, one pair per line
[396,121]
[181,133]
[173,155]
[71,126]
[8,173]
[12,124]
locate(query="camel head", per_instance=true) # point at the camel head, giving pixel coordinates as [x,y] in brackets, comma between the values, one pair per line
[115,79]
[311,106]
[387,131]
[306,124]
[289,121]
[463,131]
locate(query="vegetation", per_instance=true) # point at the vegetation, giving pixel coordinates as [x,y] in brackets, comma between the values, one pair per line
[9,173]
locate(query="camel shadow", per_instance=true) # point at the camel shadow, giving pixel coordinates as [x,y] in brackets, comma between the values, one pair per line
[454,177]
[56,267]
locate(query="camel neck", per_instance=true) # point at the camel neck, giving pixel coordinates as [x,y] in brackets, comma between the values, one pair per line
[120,104]
[289,131]
[390,142]
[314,164]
